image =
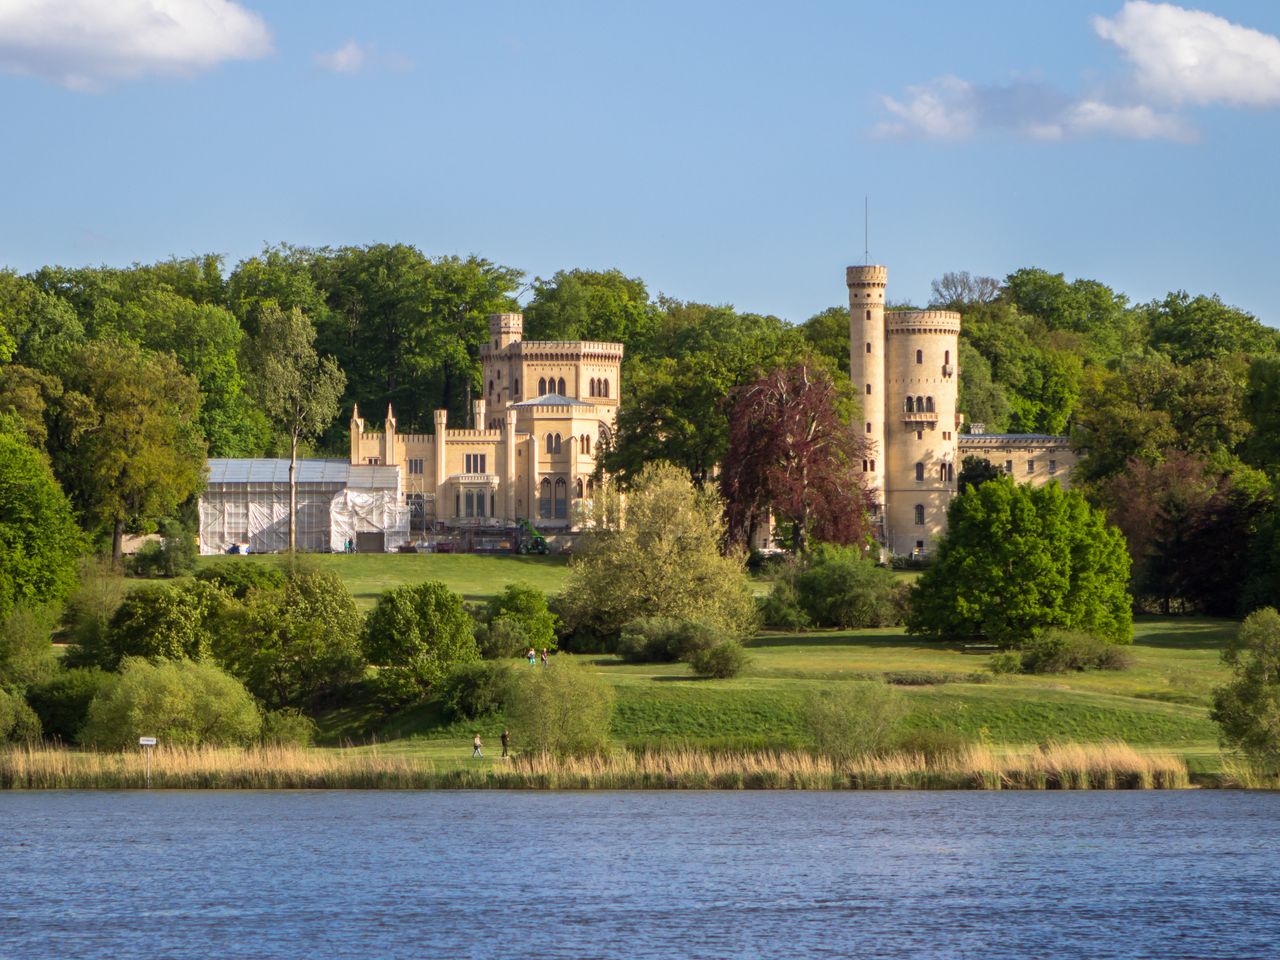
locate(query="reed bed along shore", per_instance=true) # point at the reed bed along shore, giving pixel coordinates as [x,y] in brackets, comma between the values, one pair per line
[1055,766]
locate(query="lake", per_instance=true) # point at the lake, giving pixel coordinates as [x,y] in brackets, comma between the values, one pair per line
[639,875]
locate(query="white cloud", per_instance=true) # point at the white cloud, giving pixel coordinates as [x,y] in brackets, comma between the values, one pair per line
[1190,56]
[1139,122]
[950,108]
[348,58]
[353,57]
[88,44]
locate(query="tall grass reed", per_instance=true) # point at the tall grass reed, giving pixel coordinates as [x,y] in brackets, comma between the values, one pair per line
[1065,766]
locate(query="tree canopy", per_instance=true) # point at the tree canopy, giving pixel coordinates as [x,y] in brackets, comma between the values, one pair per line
[1017,559]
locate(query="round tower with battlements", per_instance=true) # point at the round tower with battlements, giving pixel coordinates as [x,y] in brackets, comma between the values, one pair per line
[867,369]
[920,395]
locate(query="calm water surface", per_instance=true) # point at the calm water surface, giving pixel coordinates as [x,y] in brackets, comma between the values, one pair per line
[639,875]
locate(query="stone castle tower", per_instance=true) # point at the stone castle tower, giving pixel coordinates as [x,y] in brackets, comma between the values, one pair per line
[904,367]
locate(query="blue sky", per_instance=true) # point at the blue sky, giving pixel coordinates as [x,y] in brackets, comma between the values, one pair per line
[720,151]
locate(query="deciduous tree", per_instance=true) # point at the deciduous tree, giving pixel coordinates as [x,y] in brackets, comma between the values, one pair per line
[793,452]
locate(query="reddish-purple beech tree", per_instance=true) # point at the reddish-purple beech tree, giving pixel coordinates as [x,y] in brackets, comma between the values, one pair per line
[793,451]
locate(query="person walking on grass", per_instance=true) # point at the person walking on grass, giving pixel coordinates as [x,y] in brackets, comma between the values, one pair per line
[544,656]
[475,747]
[506,739]
[532,655]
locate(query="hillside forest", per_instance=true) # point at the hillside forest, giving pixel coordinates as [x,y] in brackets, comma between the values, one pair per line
[123,380]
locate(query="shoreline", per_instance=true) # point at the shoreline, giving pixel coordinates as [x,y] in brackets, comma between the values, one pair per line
[1065,766]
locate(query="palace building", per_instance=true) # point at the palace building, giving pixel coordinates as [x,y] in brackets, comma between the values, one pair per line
[905,368]
[529,453]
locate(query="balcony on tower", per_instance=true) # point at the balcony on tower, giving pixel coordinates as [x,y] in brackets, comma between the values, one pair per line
[919,410]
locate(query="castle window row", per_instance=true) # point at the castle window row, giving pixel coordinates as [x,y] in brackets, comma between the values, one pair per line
[475,463]
[599,387]
[919,404]
[553,385]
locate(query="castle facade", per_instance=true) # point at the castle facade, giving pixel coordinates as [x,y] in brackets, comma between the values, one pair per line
[530,449]
[904,365]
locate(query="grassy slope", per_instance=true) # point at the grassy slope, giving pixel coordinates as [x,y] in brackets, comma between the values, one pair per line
[1162,702]
[475,576]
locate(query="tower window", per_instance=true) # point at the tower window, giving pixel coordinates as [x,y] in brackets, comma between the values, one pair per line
[919,472]
[911,405]
[868,345]
[873,466]
[868,426]
[560,387]
[919,515]
[1008,467]
[542,386]
[1031,466]
[515,387]
[919,356]
[868,389]
[928,404]
[919,434]
[868,317]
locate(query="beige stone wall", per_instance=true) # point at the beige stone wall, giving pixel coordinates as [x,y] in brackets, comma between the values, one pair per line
[503,460]
[920,462]
[1028,458]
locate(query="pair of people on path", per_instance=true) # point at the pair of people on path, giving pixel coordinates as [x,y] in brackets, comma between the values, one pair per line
[477,743]
[533,656]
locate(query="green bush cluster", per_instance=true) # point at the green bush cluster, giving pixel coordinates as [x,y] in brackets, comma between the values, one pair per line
[1062,651]
[173,555]
[833,586]
[708,651]
[513,621]
[477,689]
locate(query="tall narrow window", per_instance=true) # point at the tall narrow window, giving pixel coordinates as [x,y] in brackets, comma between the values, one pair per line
[868,389]
[542,386]
[868,317]
[946,357]
[562,499]
[920,404]
[471,504]
[868,346]
[919,356]
[560,387]
[606,389]
[868,426]
[544,499]
[1031,466]
[919,471]
[1053,466]
[557,443]
[492,498]
[515,388]
[920,514]
[942,472]
[911,405]
[951,473]
[928,404]
[1008,467]
[591,387]
[551,443]
[479,503]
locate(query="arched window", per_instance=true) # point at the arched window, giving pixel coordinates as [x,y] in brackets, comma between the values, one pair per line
[544,499]
[586,443]
[604,388]
[951,473]
[591,486]
[873,466]
[471,504]
[868,389]
[919,356]
[919,471]
[942,472]
[911,405]
[551,444]
[492,498]
[457,504]
[557,443]
[868,345]
[479,503]
[946,357]
[560,387]
[864,466]
[515,388]
[542,386]
[920,514]
[499,376]
[578,489]
[868,317]
[928,404]
[591,387]
[920,404]
[562,499]
[491,386]
[868,426]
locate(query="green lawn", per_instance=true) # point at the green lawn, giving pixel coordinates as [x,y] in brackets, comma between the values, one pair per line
[1161,703]
[475,576]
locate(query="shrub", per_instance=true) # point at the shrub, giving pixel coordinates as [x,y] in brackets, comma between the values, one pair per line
[562,710]
[839,587]
[178,550]
[781,609]
[18,722]
[180,702]
[725,659]
[526,607]
[296,646]
[1062,651]
[853,718]
[288,728]
[238,577]
[415,634]
[147,561]
[26,648]
[163,622]
[474,690]
[1248,708]
[502,638]
[62,702]
[87,619]
[665,639]
[1004,662]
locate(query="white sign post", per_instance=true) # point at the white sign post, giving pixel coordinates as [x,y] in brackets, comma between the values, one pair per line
[146,743]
